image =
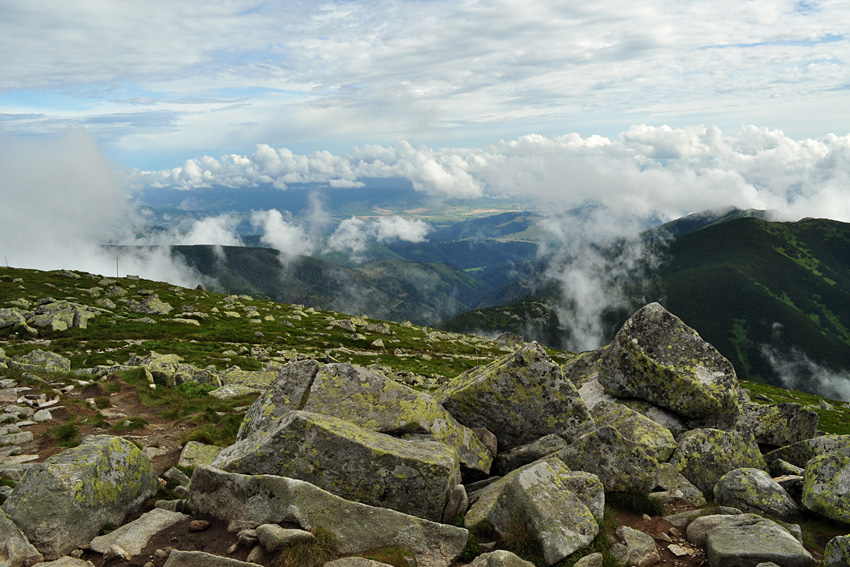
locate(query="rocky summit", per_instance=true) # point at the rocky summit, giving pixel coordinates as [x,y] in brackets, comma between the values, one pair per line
[149,425]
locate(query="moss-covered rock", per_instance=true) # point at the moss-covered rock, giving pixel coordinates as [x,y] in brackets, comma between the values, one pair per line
[671,480]
[753,490]
[369,400]
[657,358]
[411,476]
[826,486]
[551,502]
[65,501]
[525,454]
[705,455]
[748,543]
[621,464]
[837,552]
[520,397]
[249,501]
[781,424]
[800,453]
[652,437]
[41,361]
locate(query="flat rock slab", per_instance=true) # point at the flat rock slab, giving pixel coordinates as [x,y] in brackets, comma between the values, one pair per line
[201,559]
[134,537]
[759,541]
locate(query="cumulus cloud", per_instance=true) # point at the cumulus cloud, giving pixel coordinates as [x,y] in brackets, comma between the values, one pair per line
[353,235]
[219,231]
[282,234]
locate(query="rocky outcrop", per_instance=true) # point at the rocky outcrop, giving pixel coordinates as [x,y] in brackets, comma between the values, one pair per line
[657,358]
[826,486]
[245,501]
[555,505]
[753,490]
[705,455]
[620,463]
[412,476]
[65,501]
[519,397]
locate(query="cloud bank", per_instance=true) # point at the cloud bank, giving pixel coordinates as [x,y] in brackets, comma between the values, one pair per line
[353,235]
[645,171]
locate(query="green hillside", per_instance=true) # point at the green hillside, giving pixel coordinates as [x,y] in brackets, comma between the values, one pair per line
[752,288]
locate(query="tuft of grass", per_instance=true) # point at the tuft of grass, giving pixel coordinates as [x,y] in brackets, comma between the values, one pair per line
[636,502]
[67,434]
[130,424]
[519,540]
[313,554]
[195,389]
[395,555]
[102,402]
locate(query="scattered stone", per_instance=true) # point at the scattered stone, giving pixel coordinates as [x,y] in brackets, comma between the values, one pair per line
[134,537]
[753,490]
[641,547]
[274,538]
[199,525]
[499,558]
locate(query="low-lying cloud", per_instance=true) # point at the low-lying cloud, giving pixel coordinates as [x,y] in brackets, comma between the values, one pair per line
[796,371]
[353,235]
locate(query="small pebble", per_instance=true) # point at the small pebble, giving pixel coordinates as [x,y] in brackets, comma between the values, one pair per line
[198,525]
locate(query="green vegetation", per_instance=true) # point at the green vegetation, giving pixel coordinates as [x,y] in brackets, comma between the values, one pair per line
[835,421]
[66,434]
[312,554]
[636,502]
[395,555]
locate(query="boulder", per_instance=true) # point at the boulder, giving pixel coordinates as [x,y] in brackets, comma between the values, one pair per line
[65,501]
[641,547]
[369,400]
[355,562]
[15,548]
[195,454]
[274,537]
[411,476]
[781,424]
[134,537]
[826,486]
[525,454]
[151,305]
[552,503]
[744,544]
[800,453]
[166,369]
[256,379]
[754,491]
[652,437]
[519,397]
[178,558]
[245,502]
[837,552]
[620,463]
[12,317]
[669,420]
[657,358]
[671,480]
[705,455]
[41,361]
[698,528]
[499,558]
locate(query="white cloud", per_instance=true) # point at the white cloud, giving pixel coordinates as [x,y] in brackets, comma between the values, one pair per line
[353,235]
[281,234]
[219,231]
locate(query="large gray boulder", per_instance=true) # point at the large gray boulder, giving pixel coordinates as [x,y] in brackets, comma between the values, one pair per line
[245,502]
[525,454]
[41,361]
[745,544]
[367,399]
[657,358]
[520,397]
[652,437]
[499,558]
[753,490]
[620,463]
[62,315]
[133,537]
[705,455]
[65,501]
[826,486]
[672,480]
[800,453]
[558,507]
[641,548]
[412,476]
[781,424]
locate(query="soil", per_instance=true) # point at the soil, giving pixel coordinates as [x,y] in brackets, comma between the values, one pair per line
[165,434]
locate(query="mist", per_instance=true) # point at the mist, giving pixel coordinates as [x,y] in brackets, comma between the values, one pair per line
[796,371]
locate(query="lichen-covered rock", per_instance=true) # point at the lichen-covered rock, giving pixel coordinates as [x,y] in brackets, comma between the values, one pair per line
[657,358]
[753,490]
[705,455]
[670,479]
[62,315]
[166,369]
[369,400]
[837,552]
[672,422]
[134,536]
[548,500]
[640,546]
[151,305]
[781,424]
[41,361]
[11,317]
[499,558]
[519,397]
[15,548]
[525,454]
[826,486]
[245,502]
[744,544]
[620,463]
[195,454]
[65,501]
[652,437]
[411,476]
[257,379]
[800,453]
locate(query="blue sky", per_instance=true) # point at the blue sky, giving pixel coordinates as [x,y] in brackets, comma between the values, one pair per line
[160,82]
